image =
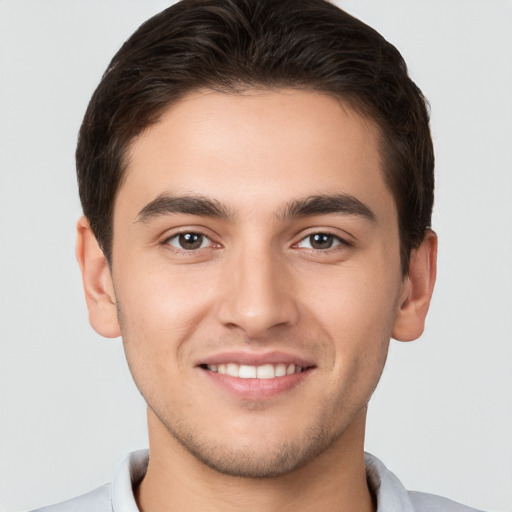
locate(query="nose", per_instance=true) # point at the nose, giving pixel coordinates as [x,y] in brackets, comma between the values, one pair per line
[257,295]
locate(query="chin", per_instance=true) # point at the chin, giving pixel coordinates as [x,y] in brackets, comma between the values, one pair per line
[260,457]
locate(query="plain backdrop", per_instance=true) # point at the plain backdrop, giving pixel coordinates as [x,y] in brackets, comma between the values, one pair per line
[442,416]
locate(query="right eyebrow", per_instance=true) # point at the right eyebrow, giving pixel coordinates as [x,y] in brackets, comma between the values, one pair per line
[189,205]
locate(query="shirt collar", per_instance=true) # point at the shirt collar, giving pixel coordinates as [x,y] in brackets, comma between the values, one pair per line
[390,494]
[129,473]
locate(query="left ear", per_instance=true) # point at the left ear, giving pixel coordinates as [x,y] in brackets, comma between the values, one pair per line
[418,287]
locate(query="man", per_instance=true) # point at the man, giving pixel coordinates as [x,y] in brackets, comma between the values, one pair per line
[257,186]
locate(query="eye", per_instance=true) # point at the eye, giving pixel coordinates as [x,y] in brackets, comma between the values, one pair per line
[320,241]
[189,241]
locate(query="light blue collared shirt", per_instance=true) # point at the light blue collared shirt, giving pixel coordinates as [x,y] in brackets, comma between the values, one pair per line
[390,494]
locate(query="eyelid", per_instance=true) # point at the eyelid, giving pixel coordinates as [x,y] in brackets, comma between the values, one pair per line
[204,239]
[188,230]
[199,230]
[343,240]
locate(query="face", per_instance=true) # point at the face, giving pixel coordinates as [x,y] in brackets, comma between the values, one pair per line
[257,275]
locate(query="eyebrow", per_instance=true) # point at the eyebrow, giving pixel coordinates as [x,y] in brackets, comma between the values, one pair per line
[328,204]
[306,207]
[191,205]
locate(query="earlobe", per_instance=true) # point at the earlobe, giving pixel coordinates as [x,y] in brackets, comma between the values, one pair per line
[97,282]
[418,287]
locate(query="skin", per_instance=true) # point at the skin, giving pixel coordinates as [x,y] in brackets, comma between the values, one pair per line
[257,286]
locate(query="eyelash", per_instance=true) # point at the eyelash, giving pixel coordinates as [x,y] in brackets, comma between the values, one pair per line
[176,236]
[337,240]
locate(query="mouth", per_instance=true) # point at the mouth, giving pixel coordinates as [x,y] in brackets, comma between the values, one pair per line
[256,377]
[264,371]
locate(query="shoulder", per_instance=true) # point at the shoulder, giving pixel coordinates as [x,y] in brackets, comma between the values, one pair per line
[391,495]
[424,502]
[99,500]
[115,496]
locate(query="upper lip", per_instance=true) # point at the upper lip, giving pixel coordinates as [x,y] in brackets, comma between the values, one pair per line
[255,358]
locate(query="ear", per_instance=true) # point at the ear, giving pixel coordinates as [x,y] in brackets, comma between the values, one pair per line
[97,281]
[418,287]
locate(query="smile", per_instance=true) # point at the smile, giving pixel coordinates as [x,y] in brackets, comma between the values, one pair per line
[256,376]
[265,371]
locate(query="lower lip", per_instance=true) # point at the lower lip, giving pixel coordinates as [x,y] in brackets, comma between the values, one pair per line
[256,389]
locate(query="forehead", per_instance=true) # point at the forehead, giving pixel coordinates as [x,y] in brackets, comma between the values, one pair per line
[256,149]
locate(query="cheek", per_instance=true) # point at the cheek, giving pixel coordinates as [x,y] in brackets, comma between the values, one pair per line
[163,299]
[353,304]
[160,309]
[356,310]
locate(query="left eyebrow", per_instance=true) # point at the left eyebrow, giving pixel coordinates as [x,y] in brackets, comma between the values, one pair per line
[328,204]
[189,205]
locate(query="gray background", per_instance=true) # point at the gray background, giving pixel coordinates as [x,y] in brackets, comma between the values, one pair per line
[442,416]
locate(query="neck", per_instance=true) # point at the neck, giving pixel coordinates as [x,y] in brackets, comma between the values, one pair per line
[176,481]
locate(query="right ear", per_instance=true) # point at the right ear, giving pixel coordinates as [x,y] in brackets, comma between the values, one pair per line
[97,281]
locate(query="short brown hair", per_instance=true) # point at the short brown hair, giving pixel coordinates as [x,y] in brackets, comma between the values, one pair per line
[231,45]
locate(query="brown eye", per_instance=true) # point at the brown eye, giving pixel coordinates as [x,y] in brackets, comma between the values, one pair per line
[320,241]
[188,241]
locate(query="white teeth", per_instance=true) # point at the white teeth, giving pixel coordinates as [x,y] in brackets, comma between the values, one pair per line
[232,370]
[265,371]
[247,372]
[280,370]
